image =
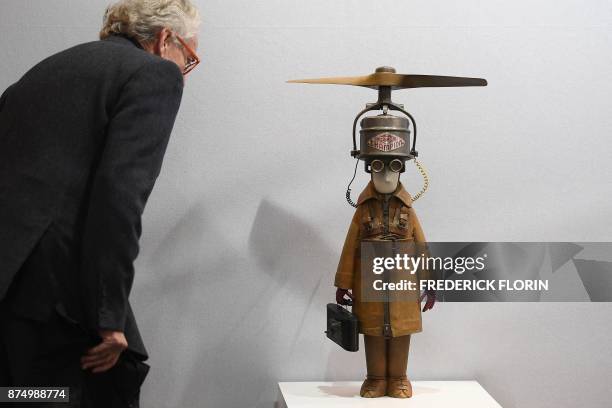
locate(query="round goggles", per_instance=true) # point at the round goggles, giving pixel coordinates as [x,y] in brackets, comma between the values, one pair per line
[395,165]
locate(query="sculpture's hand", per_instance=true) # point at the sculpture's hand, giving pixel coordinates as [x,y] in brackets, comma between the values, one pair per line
[344,297]
[431,299]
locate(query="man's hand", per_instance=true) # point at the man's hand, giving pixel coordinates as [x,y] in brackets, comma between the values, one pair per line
[105,355]
[344,297]
[431,299]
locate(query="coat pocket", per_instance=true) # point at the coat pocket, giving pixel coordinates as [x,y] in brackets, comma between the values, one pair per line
[128,375]
[402,224]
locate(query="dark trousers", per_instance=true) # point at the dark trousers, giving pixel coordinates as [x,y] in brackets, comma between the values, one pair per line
[48,355]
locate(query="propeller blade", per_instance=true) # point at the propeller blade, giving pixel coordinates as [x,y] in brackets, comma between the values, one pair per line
[397,81]
[434,81]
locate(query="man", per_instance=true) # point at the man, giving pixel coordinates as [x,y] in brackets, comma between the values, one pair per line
[82,138]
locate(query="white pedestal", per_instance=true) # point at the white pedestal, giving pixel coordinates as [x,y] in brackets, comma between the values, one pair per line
[430,394]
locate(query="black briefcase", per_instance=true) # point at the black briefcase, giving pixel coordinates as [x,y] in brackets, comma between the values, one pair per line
[342,327]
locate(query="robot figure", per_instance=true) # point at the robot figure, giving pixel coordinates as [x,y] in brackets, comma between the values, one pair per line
[384,212]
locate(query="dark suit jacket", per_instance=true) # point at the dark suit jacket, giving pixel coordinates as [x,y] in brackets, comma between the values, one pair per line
[82,138]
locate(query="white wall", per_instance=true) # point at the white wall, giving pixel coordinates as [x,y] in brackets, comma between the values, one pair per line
[243,231]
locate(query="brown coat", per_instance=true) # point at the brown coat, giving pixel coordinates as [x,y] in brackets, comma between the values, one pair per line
[367,223]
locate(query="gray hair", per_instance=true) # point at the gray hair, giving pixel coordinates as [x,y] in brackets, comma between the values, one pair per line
[143,19]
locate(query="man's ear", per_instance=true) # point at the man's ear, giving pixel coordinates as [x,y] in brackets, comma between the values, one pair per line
[161,42]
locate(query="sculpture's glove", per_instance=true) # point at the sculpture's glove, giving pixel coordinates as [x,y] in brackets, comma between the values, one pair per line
[344,297]
[431,299]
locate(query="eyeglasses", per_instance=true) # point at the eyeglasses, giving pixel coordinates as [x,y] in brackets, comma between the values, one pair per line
[192,59]
[395,165]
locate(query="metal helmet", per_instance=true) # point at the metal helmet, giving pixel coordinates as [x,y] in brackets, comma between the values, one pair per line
[384,137]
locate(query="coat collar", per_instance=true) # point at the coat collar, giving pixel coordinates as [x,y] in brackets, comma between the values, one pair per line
[123,39]
[370,193]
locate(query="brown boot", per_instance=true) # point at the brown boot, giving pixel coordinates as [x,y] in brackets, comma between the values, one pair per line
[375,384]
[398,385]
[399,388]
[373,388]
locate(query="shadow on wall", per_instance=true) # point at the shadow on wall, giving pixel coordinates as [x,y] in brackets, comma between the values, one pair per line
[296,257]
[245,318]
[180,307]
